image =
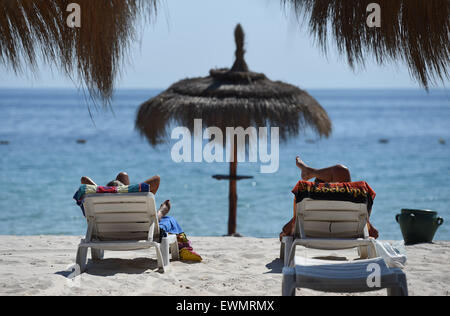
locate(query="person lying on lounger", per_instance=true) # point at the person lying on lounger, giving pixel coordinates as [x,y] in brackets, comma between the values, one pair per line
[166,223]
[338,173]
[123,179]
[334,174]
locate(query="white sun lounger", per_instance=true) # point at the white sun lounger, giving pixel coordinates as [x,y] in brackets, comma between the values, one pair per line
[123,222]
[336,225]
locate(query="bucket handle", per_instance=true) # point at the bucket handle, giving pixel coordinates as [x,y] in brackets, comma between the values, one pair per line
[411,217]
[440,221]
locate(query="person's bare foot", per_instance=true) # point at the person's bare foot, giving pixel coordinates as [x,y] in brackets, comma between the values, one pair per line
[164,209]
[307,172]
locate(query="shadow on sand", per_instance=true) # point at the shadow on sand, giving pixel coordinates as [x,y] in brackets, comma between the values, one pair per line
[111,267]
[276,266]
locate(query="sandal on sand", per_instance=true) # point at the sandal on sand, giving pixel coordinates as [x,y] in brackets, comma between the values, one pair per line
[188,254]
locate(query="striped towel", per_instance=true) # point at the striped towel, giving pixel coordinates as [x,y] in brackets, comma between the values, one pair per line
[86,189]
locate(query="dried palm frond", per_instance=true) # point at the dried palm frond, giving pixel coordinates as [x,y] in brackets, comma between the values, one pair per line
[92,54]
[413,31]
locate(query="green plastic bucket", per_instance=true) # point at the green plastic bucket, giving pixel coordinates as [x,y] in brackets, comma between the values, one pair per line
[418,226]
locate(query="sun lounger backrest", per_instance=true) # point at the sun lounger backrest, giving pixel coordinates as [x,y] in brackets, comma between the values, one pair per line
[129,216]
[331,219]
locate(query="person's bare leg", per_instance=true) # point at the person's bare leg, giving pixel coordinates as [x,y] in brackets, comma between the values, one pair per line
[307,172]
[123,177]
[338,173]
[164,209]
[288,229]
[86,180]
[154,184]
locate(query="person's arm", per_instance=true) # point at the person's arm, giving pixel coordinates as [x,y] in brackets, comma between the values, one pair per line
[154,183]
[88,181]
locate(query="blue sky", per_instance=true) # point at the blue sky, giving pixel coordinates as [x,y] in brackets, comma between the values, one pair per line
[189,38]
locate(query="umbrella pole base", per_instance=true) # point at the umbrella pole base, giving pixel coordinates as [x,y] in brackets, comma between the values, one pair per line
[237,235]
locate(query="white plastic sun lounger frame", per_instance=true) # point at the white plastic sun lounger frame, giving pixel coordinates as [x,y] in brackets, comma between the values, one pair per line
[124,222]
[329,225]
[334,225]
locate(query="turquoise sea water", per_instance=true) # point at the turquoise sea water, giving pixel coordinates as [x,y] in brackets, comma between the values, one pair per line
[41,166]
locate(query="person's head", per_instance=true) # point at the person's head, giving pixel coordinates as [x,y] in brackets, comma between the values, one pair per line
[114,183]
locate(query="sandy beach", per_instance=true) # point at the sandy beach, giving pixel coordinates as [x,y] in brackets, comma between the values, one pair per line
[231,267]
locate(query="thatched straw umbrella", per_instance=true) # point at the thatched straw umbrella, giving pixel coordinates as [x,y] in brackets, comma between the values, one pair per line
[416,32]
[233,97]
[92,54]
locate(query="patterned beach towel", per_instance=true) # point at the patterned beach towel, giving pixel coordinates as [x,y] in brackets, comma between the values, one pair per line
[86,189]
[356,192]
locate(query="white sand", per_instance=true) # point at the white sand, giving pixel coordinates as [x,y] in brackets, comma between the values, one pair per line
[232,266]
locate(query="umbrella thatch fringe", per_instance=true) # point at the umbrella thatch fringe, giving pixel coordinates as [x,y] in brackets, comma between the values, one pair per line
[291,113]
[92,55]
[414,31]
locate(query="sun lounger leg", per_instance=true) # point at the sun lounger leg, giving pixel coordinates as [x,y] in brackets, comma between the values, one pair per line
[363,252]
[165,251]
[287,241]
[97,254]
[288,285]
[175,251]
[401,289]
[282,251]
[160,258]
[82,258]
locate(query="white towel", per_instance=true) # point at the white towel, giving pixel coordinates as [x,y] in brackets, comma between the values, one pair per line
[394,256]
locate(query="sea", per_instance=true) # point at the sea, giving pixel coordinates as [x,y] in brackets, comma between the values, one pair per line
[396,140]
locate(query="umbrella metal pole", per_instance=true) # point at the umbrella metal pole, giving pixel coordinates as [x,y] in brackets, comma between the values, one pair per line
[233,193]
